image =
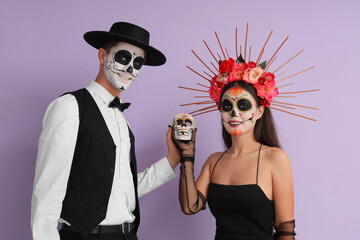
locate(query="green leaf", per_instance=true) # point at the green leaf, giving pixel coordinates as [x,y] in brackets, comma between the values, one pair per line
[263,65]
[240,59]
[220,62]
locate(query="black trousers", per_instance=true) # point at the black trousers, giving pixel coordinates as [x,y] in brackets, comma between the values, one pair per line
[69,235]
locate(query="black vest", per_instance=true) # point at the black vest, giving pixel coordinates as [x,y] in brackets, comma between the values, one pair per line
[92,170]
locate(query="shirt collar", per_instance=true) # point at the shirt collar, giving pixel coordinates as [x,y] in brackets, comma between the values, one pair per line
[99,90]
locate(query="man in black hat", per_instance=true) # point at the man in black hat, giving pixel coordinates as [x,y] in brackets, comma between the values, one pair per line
[86,175]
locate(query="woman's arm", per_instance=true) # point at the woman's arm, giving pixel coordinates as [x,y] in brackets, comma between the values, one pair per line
[192,195]
[283,190]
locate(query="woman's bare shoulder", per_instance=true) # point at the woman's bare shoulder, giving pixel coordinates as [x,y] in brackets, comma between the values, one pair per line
[213,158]
[275,156]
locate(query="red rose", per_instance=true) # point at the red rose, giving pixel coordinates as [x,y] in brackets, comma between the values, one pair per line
[261,81]
[268,76]
[215,93]
[231,61]
[220,85]
[251,64]
[237,72]
[265,103]
[226,65]
[213,80]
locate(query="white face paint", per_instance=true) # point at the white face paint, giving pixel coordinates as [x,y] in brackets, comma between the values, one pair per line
[122,64]
[183,125]
[238,111]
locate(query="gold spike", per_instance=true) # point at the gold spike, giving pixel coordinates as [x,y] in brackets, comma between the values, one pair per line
[293,114]
[258,59]
[220,44]
[279,48]
[240,49]
[288,61]
[202,61]
[208,74]
[205,112]
[214,67]
[197,73]
[261,55]
[267,67]
[203,109]
[211,52]
[295,105]
[202,85]
[285,85]
[237,55]
[283,72]
[249,53]
[313,90]
[247,26]
[201,96]
[263,48]
[227,53]
[193,89]
[196,103]
[296,74]
[272,103]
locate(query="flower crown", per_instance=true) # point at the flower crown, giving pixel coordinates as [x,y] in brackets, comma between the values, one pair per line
[252,72]
[230,71]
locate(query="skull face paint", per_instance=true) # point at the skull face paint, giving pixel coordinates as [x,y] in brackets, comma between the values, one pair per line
[122,64]
[238,111]
[183,125]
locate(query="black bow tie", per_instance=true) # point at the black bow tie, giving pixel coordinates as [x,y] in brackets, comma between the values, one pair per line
[116,104]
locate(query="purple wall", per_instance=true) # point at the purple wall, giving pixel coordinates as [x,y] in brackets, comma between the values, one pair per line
[43,55]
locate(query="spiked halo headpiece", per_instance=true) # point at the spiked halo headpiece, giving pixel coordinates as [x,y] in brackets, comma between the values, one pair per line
[253,72]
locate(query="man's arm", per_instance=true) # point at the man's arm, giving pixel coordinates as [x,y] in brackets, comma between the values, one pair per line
[53,164]
[161,171]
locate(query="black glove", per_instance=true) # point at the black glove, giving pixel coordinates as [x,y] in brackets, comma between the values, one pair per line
[187,148]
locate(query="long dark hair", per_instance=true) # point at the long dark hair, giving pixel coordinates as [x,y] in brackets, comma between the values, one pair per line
[264,131]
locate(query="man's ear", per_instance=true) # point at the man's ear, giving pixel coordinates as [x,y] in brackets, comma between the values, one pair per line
[102,55]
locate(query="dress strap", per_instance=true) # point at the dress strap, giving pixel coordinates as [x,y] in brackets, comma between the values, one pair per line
[257,168]
[212,171]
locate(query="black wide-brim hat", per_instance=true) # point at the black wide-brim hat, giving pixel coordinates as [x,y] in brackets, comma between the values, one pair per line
[130,33]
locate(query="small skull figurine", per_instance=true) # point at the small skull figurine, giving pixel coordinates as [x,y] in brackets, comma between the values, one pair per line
[183,125]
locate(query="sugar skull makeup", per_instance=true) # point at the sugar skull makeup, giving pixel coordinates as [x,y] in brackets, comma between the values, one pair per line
[122,64]
[183,125]
[238,111]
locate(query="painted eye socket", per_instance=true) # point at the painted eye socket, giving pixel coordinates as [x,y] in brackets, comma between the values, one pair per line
[138,62]
[123,57]
[179,122]
[226,105]
[244,104]
[188,122]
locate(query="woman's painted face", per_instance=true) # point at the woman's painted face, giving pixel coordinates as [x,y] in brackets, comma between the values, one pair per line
[238,111]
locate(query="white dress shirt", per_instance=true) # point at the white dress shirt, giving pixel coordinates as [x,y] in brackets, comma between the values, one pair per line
[55,154]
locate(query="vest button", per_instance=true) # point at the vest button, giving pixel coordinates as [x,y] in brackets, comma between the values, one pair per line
[107,192]
[111,170]
[114,146]
[102,215]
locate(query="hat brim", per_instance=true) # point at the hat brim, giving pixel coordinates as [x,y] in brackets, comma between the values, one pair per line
[98,38]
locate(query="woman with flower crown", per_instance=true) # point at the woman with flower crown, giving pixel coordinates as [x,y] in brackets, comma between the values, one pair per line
[249,186]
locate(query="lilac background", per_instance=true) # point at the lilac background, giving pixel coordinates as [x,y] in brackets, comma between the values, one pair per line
[43,55]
